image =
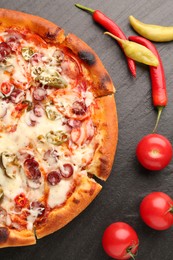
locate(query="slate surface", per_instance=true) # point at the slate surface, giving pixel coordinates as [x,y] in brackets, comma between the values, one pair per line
[129,182]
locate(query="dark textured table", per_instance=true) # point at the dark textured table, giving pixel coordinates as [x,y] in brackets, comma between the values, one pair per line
[129,182]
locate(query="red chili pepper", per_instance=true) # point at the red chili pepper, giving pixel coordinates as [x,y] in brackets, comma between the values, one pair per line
[6,88]
[112,27]
[20,200]
[159,93]
[21,106]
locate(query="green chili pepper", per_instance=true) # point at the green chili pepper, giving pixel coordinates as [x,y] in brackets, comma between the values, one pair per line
[57,137]
[57,82]
[51,112]
[1,193]
[152,32]
[52,80]
[27,53]
[6,66]
[8,162]
[29,103]
[137,51]
[41,138]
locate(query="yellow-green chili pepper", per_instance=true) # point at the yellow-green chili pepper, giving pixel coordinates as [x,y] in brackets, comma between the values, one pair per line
[137,51]
[152,32]
[57,137]
[27,53]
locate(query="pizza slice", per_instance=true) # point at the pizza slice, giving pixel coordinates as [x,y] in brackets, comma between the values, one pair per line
[58,129]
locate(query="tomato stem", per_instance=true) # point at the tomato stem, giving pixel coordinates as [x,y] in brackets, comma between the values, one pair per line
[132,255]
[171,209]
[129,251]
[159,109]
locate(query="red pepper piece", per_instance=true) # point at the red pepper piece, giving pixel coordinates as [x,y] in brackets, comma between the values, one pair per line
[20,106]
[159,92]
[20,200]
[6,88]
[112,27]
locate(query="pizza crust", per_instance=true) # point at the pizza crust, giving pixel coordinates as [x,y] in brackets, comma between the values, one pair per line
[87,189]
[44,28]
[102,83]
[19,238]
[106,121]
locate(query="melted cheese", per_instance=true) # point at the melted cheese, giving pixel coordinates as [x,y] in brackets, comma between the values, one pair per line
[25,134]
[3,77]
[19,70]
[11,188]
[15,186]
[33,214]
[67,99]
[82,156]
[22,73]
[8,119]
[89,99]
[58,193]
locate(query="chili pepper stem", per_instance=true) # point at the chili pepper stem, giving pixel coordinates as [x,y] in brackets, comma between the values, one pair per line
[85,8]
[115,37]
[159,109]
[110,26]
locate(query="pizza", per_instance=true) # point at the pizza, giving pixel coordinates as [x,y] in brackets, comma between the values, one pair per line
[58,127]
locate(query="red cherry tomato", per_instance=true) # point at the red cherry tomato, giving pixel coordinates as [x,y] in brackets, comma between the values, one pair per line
[120,241]
[156,210]
[154,152]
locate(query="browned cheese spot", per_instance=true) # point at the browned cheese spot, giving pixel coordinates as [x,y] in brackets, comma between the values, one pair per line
[52,35]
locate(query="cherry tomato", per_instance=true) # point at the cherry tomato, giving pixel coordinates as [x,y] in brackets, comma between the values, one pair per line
[156,210]
[120,241]
[154,152]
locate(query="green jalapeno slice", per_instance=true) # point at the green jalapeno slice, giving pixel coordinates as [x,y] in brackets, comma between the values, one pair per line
[57,137]
[1,193]
[52,113]
[27,53]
